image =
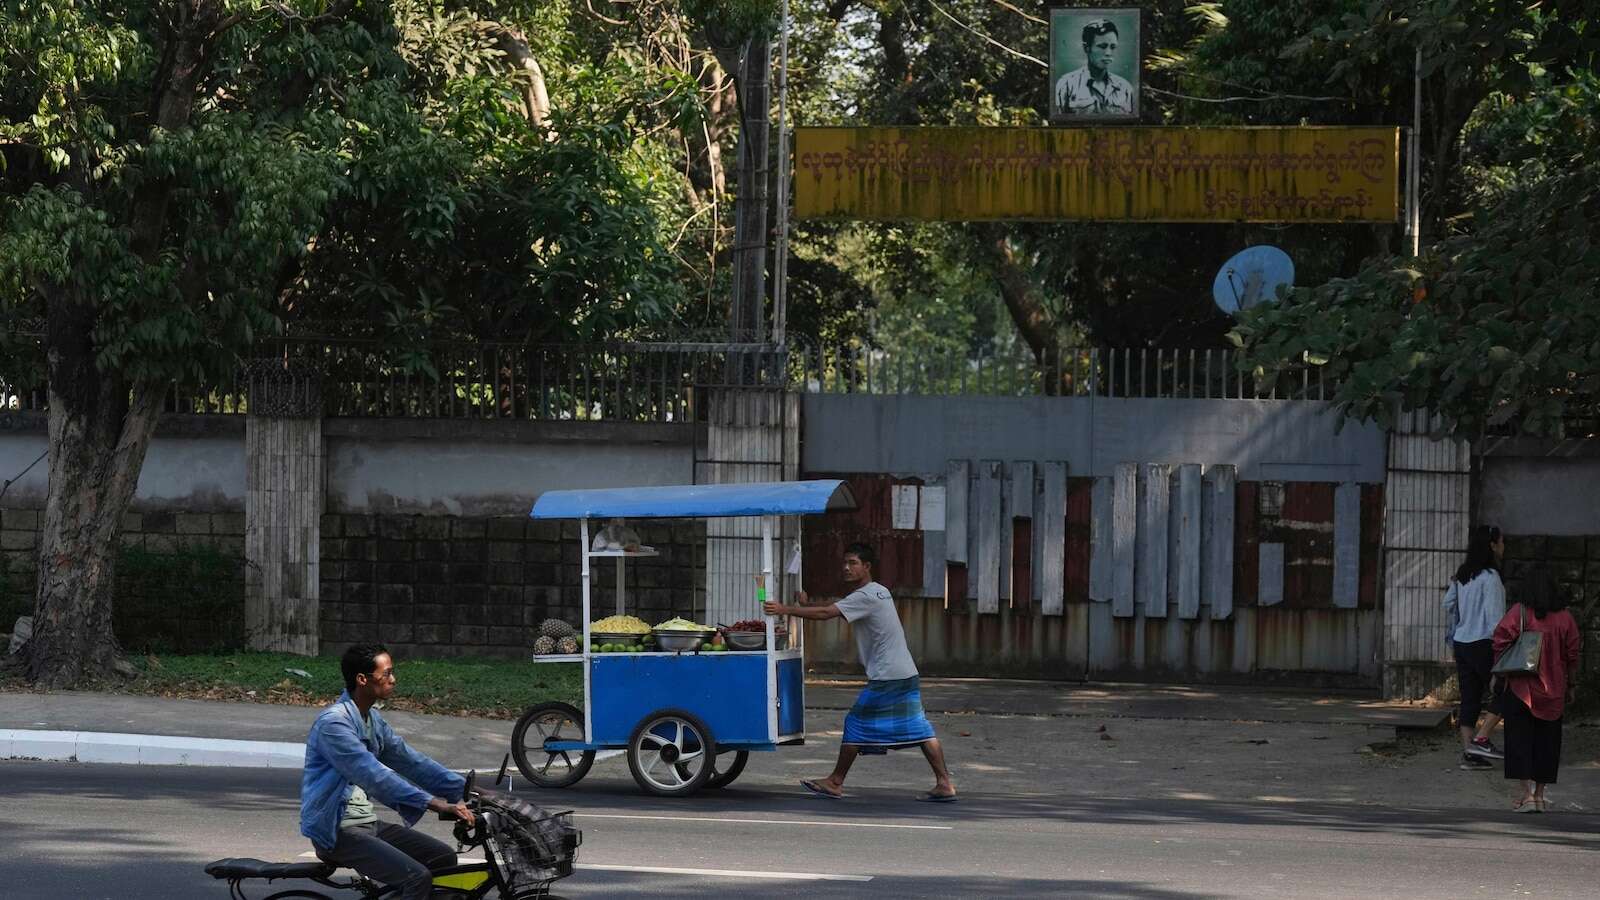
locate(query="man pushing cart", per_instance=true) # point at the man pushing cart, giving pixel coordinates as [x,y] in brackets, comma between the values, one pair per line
[888,714]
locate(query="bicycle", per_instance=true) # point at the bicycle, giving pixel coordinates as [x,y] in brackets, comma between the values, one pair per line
[525,851]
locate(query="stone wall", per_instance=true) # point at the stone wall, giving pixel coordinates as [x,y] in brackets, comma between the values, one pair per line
[155,532]
[1575,562]
[464,585]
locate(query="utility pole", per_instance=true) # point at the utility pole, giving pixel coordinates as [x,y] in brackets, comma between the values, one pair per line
[746,315]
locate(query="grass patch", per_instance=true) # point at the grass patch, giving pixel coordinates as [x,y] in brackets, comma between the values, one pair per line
[494,688]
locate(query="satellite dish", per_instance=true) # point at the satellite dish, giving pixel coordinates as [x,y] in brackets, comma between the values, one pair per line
[1252,277]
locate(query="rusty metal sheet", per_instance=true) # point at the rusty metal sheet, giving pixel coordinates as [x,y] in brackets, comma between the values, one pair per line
[1081,519]
[1160,174]
[1021,563]
[1371,543]
[1247,544]
[1305,528]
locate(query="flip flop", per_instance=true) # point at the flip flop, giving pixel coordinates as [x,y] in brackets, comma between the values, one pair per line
[931,797]
[813,788]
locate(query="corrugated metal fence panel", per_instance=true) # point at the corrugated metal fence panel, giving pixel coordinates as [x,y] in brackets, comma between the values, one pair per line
[1347,545]
[1187,524]
[986,568]
[1216,582]
[1271,591]
[1022,483]
[1101,562]
[1155,497]
[956,481]
[1124,538]
[1051,524]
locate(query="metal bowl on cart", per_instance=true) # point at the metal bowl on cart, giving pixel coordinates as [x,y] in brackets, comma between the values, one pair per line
[616,637]
[745,640]
[681,641]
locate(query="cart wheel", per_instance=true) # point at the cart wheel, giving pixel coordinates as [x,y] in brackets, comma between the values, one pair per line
[550,722]
[722,777]
[671,753]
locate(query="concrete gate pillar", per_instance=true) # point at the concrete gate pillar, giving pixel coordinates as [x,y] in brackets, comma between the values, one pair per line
[283,507]
[1427,500]
[753,435]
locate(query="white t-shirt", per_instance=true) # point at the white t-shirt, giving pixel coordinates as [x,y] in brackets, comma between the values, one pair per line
[880,640]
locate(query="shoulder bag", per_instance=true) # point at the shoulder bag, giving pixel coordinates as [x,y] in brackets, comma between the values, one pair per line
[1522,657]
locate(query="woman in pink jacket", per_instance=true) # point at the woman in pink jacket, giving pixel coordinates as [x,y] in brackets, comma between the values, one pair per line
[1534,703]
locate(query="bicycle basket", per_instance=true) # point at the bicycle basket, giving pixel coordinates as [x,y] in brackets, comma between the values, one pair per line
[534,851]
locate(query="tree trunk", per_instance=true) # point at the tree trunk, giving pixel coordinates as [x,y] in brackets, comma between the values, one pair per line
[519,56]
[100,427]
[1025,302]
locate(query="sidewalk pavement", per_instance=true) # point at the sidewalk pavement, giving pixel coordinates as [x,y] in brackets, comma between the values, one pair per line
[124,728]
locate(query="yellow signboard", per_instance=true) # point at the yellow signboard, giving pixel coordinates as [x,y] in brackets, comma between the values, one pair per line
[1104,174]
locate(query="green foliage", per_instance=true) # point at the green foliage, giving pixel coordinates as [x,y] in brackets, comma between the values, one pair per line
[733,21]
[1508,332]
[187,601]
[1512,142]
[369,170]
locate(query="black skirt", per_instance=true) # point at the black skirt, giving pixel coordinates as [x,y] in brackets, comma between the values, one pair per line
[1533,745]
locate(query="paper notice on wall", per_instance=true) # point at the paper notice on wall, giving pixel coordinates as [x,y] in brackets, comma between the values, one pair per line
[905,507]
[932,513]
[793,568]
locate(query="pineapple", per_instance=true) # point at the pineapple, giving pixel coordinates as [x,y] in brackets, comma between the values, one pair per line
[556,629]
[544,645]
[566,645]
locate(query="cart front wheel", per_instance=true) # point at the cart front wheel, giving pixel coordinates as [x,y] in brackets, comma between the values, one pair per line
[550,768]
[726,767]
[671,753]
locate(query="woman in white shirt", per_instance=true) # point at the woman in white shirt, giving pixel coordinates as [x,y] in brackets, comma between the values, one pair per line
[1473,604]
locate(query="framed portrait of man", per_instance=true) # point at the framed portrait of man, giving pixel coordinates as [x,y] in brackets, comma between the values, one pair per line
[1094,65]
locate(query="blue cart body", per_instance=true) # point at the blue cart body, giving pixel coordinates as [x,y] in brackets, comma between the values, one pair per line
[726,691]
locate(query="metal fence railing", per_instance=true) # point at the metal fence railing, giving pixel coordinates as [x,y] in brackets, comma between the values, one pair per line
[637,382]
[665,381]
[1194,374]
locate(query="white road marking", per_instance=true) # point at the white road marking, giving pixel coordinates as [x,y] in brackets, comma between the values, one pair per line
[728,873]
[586,815]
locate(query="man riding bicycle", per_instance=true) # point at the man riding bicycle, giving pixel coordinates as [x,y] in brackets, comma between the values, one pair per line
[353,758]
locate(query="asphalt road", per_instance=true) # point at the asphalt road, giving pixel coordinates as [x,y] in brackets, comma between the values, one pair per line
[127,832]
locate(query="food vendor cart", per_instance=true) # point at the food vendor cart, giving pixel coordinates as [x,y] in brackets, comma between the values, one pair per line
[686,719]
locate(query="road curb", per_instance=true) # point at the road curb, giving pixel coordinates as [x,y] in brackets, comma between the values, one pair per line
[148,749]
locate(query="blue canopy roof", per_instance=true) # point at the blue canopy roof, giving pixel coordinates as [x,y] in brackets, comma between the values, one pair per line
[697,501]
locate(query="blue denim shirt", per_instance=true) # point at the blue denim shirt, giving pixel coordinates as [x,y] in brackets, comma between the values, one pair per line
[388,770]
[1472,610]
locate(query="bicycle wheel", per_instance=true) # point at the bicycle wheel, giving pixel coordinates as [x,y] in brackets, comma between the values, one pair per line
[544,722]
[720,777]
[670,753]
[302,894]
